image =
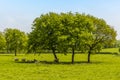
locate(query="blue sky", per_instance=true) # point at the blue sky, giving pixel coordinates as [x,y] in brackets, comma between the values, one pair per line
[21,13]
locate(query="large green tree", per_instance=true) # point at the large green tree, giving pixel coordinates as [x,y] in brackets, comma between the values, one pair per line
[102,35]
[16,40]
[73,31]
[45,33]
[76,27]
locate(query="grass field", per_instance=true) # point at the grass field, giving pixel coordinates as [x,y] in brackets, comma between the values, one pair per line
[102,67]
[111,50]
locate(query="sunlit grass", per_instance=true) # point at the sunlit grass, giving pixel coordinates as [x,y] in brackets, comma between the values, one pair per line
[110,50]
[102,67]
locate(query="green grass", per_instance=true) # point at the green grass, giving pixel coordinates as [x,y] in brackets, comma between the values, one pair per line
[102,67]
[110,50]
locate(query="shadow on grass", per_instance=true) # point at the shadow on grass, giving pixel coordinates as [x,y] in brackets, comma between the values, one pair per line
[61,62]
[24,62]
[30,61]
[76,62]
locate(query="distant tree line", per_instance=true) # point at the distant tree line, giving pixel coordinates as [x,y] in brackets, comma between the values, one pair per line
[61,33]
[13,40]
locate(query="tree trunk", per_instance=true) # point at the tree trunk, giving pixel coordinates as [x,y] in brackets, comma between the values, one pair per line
[15,52]
[73,54]
[89,52]
[55,56]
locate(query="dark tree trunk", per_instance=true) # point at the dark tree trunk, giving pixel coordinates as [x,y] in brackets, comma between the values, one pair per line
[55,56]
[89,53]
[73,54]
[15,52]
[34,50]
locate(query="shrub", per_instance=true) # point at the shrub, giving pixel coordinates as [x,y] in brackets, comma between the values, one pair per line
[23,60]
[16,59]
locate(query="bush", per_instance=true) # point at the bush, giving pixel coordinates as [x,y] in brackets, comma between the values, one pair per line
[16,59]
[23,60]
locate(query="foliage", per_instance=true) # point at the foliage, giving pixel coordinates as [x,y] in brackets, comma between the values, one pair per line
[61,33]
[116,44]
[15,40]
[73,31]
[76,28]
[46,30]
[2,41]
[102,35]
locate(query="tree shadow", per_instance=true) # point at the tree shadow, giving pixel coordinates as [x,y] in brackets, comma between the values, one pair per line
[61,62]
[25,62]
[76,62]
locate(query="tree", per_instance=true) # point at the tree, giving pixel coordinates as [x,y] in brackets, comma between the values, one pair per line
[103,34]
[16,40]
[76,27]
[2,41]
[117,44]
[60,32]
[46,31]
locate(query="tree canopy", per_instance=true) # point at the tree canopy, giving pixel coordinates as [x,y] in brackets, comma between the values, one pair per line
[102,35]
[63,32]
[2,41]
[15,40]
[70,31]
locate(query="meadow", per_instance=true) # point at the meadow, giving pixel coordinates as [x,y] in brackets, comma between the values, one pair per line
[102,67]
